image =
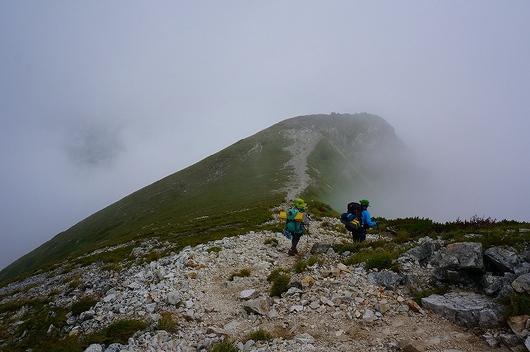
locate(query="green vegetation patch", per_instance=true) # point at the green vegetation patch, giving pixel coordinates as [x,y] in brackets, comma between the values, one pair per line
[259,335]
[422,292]
[215,249]
[241,273]
[225,346]
[36,322]
[374,259]
[351,247]
[516,304]
[302,264]
[271,241]
[168,322]
[83,305]
[118,332]
[485,230]
[115,256]
[280,282]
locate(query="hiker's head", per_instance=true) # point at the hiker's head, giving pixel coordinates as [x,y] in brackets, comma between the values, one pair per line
[299,203]
[365,203]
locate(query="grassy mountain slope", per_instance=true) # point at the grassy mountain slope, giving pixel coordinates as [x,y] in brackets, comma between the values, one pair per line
[230,192]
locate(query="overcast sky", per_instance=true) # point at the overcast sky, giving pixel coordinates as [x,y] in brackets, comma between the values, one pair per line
[101,98]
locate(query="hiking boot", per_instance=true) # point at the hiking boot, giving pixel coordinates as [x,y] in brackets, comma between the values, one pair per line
[291,252]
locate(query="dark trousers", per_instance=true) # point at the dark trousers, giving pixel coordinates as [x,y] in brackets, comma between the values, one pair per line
[295,239]
[359,236]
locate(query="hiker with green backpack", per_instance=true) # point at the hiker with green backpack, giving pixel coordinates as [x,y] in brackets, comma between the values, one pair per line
[295,220]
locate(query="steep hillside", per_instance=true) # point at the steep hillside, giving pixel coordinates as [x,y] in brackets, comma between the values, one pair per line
[235,190]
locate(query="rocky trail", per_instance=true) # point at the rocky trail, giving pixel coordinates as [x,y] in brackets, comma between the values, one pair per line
[329,307]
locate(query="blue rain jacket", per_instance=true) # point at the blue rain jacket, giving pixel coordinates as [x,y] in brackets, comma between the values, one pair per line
[366,219]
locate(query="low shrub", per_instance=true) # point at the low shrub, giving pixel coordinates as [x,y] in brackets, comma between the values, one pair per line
[348,247]
[275,273]
[280,281]
[516,304]
[420,292]
[379,260]
[118,332]
[374,259]
[280,285]
[271,241]
[301,265]
[167,322]
[259,335]
[224,346]
[242,273]
[216,249]
[83,305]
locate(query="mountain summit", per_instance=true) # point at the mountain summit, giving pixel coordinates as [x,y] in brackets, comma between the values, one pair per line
[327,159]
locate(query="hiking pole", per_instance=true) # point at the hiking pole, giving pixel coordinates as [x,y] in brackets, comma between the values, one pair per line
[308,233]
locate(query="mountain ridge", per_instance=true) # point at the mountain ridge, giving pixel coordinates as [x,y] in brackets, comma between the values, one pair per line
[295,157]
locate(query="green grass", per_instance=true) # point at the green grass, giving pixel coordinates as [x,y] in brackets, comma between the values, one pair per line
[259,335]
[224,346]
[275,273]
[302,264]
[348,247]
[271,241]
[280,285]
[422,292]
[40,315]
[83,305]
[492,232]
[118,332]
[379,254]
[516,304]
[35,323]
[280,282]
[168,322]
[241,273]
[215,249]
[110,257]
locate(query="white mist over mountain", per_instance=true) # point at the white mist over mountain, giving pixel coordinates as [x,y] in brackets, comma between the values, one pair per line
[99,99]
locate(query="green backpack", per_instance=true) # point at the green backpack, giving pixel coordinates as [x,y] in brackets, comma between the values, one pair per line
[291,224]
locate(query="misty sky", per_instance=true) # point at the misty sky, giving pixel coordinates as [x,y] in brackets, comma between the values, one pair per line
[101,98]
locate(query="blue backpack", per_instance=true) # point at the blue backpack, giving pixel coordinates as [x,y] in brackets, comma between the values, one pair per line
[291,224]
[352,219]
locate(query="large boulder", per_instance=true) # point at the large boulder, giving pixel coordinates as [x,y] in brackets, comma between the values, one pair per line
[321,248]
[497,284]
[424,251]
[459,262]
[501,259]
[258,305]
[388,279]
[468,309]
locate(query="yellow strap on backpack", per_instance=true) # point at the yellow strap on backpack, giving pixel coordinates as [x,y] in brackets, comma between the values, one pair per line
[299,217]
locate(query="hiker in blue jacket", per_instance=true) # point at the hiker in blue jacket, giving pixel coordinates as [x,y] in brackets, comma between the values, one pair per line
[300,205]
[366,220]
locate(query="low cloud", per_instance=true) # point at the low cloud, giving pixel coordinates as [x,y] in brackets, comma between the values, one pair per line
[94,146]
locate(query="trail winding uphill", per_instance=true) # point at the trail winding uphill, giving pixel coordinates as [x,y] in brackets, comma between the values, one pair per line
[304,143]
